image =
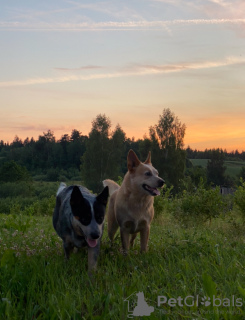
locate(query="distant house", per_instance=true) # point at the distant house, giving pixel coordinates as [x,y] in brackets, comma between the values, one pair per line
[224,190]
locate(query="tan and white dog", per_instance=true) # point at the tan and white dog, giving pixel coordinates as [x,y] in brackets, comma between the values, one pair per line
[131,204]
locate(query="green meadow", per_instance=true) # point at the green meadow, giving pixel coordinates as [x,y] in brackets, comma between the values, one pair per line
[233,168]
[194,268]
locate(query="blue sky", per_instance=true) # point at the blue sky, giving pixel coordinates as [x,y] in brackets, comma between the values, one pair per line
[64,62]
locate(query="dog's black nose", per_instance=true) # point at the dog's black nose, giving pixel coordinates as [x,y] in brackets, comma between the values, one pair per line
[94,235]
[161,183]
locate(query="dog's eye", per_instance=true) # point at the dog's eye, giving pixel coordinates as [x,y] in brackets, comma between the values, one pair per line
[99,219]
[85,220]
[148,174]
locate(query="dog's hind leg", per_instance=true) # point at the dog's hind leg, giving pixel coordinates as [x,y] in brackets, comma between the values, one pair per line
[112,229]
[133,236]
[56,215]
[112,221]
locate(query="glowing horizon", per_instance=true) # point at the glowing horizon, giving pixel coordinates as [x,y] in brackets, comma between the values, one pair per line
[199,140]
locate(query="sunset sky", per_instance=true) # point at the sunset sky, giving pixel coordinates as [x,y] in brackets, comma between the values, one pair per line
[64,62]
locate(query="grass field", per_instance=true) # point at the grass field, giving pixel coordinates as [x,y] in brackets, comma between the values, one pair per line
[186,266]
[233,168]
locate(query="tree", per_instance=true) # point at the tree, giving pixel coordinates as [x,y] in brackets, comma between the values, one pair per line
[216,168]
[145,146]
[95,158]
[17,142]
[116,164]
[44,150]
[10,171]
[169,131]
[75,135]
[64,142]
[197,174]
[167,138]
[242,173]
[76,148]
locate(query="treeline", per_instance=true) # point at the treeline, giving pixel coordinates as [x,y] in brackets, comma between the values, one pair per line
[102,154]
[207,154]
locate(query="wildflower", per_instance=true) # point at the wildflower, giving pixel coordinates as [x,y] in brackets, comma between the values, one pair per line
[6,300]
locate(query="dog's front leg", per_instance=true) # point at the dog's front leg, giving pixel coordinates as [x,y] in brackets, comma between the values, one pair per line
[68,248]
[144,237]
[93,254]
[125,237]
[133,236]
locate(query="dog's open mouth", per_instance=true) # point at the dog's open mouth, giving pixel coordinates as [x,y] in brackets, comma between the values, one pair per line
[152,191]
[92,242]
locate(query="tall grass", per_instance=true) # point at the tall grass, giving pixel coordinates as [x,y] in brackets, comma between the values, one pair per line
[37,283]
[198,260]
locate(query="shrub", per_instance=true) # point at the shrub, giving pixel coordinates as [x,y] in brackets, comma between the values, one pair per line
[15,189]
[10,171]
[200,205]
[52,175]
[41,207]
[165,202]
[37,198]
[239,198]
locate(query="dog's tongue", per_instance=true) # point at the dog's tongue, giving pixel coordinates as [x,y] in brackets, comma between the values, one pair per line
[156,192]
[91,242]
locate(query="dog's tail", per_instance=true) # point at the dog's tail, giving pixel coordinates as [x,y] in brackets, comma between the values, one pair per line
[112,185]
[61,187]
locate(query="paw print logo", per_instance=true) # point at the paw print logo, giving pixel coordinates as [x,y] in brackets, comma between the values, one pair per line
[206,301]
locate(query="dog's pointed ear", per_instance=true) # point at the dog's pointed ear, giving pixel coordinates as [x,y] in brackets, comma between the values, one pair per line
[133,160]
[148,159]
[103,196]
[76,197]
